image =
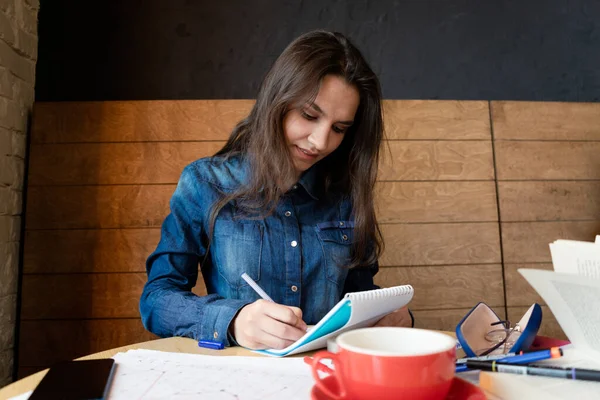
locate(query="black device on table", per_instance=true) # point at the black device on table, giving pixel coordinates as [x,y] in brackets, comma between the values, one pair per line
[84,379]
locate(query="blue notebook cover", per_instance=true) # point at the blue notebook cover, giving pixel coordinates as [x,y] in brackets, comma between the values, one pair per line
[355,310]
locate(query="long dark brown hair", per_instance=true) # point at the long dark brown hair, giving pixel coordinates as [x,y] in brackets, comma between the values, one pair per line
[292,82]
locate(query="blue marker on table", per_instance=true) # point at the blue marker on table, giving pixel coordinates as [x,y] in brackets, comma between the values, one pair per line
[523,358]
[209,344]
[520,357]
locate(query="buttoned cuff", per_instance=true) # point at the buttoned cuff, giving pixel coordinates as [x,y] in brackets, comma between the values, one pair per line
[217,319]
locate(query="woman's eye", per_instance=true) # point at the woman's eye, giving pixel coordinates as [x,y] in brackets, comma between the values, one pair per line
[308,116]
[338,130]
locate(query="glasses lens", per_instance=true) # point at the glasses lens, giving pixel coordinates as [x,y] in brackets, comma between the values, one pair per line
[497,338]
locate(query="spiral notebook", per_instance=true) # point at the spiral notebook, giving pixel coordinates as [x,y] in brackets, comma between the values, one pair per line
[355,310]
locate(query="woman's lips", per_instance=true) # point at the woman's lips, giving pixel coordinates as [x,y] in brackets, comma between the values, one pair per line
[306,155]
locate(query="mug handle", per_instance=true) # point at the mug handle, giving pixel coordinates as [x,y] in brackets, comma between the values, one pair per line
[316,366]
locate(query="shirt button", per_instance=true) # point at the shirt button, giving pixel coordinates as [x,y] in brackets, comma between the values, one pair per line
[294,243]
[294,288]
[216,335]
[345,237]
[287,213]
[341,223]
[295,187]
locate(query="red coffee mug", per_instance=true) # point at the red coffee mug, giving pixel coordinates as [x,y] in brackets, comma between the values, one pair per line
[390,363]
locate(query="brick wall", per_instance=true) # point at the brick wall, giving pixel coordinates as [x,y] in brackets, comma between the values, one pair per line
[18,54]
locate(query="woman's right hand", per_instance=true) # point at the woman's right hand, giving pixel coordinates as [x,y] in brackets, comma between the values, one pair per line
[267,325]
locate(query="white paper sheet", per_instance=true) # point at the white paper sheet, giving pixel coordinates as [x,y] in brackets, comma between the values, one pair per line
[148,374]
[576,257]
[574,300]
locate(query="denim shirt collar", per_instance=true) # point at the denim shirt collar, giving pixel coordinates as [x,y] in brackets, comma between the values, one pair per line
[308,180]
[310,183]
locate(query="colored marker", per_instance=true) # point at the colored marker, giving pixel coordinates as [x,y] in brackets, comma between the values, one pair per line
[551,372]
[518,357]
[209,344]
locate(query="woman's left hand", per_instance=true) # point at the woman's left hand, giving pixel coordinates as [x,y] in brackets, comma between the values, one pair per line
[400,317]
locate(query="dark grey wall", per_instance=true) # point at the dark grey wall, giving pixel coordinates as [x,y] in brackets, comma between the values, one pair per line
[421,49]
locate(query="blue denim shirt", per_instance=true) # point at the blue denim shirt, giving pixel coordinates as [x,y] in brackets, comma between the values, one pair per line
[297,254]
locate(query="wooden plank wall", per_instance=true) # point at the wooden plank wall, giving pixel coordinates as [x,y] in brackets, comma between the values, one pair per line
[548,169]
[101,175]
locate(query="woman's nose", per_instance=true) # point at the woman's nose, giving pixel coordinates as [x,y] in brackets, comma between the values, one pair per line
[318,138]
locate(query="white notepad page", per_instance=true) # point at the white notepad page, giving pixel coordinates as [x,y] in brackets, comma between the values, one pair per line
[355,310]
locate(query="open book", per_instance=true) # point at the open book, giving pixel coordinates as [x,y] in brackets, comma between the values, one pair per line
[575,257]
[355,310]
[573,295]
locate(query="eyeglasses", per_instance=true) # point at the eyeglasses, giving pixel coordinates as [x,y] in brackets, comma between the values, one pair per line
[501,340]
[481,332]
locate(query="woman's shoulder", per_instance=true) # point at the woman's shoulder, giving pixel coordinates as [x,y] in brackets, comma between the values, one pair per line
[224,172]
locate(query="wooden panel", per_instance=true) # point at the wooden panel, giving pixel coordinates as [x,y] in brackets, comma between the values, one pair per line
[547,160]
[114,163]
[48,342]
[115,250]
[549,201]
[436,202]
[527,242]
[549,327]
[436,119]
[86,207]
[441,244]
[85,295]
[104,250]
[523,120]
[134,121]
[437,160]
[162,162]
[445,320]
[453,286]
[131,121]
[82,295]
[518,291]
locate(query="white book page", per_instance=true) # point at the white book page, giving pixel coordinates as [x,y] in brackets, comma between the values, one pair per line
[574,257]
[574,301]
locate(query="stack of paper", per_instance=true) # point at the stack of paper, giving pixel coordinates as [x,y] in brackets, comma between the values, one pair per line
[572,292]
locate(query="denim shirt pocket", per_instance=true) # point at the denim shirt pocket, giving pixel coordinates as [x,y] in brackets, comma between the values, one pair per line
[237,248]
[336,239]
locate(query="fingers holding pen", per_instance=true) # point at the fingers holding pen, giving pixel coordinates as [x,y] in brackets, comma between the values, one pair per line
[264,324]
[291,316]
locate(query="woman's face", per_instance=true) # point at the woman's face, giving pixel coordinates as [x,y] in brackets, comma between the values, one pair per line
[316,130]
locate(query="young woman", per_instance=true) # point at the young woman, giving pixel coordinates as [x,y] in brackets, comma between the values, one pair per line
[288,201]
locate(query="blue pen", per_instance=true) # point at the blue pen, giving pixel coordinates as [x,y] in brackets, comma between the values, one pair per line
[526,358]
[553,352]
[209,344]
[461,368]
